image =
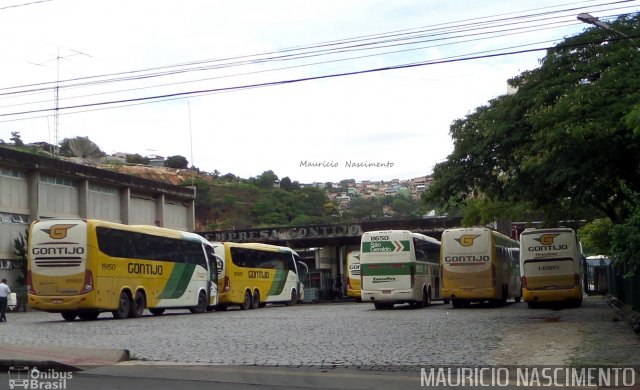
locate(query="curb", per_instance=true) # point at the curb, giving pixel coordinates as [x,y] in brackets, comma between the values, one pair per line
[61,358]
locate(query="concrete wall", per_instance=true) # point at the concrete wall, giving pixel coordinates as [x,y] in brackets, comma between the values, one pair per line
[34,187]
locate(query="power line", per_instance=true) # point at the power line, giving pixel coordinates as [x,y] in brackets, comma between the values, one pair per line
[286,55]
[186,94]
[438,29]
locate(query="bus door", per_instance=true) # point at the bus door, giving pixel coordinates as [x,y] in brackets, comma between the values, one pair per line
[215,265]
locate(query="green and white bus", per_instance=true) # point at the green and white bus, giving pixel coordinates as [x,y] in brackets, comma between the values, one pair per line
[399,266]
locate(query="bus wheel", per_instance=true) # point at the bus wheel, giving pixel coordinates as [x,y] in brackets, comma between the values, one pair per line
[137,306]
[89,316]
[124,304]
[156,312]
[294,298]
[202,304]
[428,299]
[456,303]
[69,315]
[379,306]
[246,305]
[220,307]
[255,303]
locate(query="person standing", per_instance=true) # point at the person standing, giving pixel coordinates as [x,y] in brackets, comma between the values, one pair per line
[4,295]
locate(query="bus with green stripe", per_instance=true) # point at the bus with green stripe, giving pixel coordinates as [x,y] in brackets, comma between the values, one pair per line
[253,274]
[84,267]
[399,266]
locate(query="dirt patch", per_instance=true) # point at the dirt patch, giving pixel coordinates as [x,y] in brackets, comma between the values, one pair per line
[547,342]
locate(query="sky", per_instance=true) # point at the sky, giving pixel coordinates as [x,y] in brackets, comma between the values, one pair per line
[243,87]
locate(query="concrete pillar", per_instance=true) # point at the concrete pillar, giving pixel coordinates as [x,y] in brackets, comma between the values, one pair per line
[83,198]
[191,216]
[33,193]
[160,199]
[191,211]
[125,205]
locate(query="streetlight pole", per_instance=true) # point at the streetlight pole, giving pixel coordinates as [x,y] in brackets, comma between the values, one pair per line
[589,19]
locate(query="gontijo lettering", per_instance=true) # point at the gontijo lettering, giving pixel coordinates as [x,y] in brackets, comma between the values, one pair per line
[76,250]
[467,259]
[144,269]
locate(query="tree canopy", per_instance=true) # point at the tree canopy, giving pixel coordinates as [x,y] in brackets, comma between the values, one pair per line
[565,144]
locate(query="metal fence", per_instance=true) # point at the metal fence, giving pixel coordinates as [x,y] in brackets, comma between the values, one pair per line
[626,289]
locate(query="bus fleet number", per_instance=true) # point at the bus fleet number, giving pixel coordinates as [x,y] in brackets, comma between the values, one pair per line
[549,268]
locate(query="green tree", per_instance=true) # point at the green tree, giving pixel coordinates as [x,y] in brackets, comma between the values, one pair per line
[177,162]
[287,185]
[266,179]
[137,159]
[596,237]
[560,144]
[15,137]
[625,245]
[20,250]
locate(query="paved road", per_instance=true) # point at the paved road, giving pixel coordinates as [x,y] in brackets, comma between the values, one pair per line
[350,335]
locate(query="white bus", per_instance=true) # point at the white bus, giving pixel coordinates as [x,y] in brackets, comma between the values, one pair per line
[479,264]
[399,266]
[551,261]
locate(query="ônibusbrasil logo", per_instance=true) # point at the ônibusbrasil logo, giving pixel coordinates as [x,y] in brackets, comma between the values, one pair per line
[23,377]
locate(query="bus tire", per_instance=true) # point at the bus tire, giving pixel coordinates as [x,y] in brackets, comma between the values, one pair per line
[457,303]
[88,315]
[255,302]
[246,304]
[136,309]
[156,311]
[428,302]
[124,304]
[424,302]
[294,298]
[69,315]
[379,305]
[202,304]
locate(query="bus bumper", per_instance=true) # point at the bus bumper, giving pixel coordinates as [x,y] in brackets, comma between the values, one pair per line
[470,294]
[396,296]
[557,295]
[58,304]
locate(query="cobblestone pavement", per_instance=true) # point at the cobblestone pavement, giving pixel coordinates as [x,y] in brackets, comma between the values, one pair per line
[350,334]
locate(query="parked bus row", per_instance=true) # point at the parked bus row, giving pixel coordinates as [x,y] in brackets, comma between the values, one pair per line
[83,267]
[467,265]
